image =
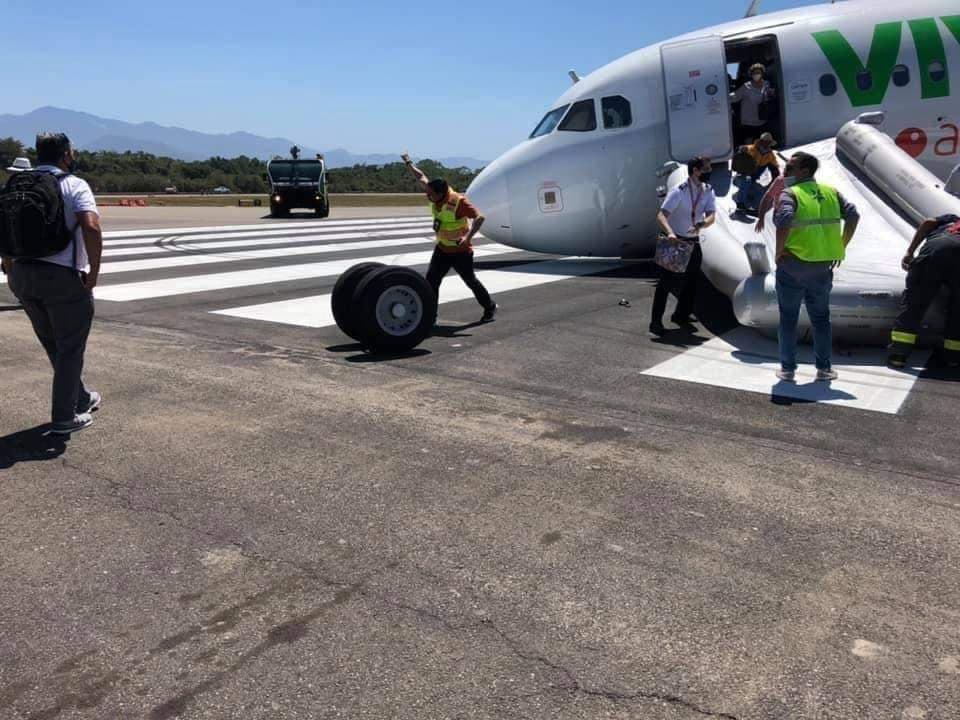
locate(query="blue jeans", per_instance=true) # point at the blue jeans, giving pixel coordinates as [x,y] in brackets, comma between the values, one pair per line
[810,283]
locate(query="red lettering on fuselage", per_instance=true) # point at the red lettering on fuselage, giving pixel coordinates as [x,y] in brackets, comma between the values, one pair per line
[948,145]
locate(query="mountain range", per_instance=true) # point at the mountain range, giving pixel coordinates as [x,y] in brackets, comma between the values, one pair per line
[89,132]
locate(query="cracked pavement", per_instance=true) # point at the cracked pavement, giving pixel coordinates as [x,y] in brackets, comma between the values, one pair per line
[525,528]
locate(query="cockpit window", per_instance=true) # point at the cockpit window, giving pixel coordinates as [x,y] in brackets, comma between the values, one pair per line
[549,122]
[616,112]
[581,118]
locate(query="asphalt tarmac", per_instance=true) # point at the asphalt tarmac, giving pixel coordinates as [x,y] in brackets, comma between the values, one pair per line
[515,521]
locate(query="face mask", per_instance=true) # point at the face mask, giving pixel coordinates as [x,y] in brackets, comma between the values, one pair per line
[791,181]
[757,78]
[705,177]
[72,165]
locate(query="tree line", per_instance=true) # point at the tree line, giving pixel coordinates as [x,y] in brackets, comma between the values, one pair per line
[137,172]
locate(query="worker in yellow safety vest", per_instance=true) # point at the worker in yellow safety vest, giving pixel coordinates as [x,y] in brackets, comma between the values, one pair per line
[456,222]
[815,223]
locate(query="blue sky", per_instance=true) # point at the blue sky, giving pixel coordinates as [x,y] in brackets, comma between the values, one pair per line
[370,76]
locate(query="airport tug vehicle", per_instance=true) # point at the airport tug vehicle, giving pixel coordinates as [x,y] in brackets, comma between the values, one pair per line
[297,183]
[386,308]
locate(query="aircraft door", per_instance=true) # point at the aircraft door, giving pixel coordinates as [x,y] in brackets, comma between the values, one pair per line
[698,100]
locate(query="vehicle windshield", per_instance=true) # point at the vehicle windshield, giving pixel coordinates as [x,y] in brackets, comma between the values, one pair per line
[549,122]
[290,171]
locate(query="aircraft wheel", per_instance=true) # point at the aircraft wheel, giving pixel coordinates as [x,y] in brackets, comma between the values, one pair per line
[395,309]
[341,299]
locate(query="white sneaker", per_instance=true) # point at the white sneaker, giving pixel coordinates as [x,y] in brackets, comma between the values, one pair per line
[79,422]
[827,375]
[96,400]
[787,375]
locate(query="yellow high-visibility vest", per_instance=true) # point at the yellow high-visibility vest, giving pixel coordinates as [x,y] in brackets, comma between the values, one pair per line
[817,231]
[448,228]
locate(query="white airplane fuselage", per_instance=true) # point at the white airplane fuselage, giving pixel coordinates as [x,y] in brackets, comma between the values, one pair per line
[594,192]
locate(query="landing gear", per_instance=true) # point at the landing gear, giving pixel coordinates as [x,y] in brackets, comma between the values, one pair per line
[386,309]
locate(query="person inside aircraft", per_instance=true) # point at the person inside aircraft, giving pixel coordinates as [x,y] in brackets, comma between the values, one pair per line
[936,266]
[754,98]
[456,221]
[687,210]
[765,160]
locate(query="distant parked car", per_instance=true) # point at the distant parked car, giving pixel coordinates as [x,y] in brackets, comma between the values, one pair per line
[222,190]
[172,190]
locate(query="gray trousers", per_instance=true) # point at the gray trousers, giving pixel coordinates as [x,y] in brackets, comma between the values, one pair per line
[61,310]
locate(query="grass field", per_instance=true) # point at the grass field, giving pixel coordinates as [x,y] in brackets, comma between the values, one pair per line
[345,200]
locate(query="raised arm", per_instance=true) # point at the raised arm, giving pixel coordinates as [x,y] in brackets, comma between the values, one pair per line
[417,172]
[927,227]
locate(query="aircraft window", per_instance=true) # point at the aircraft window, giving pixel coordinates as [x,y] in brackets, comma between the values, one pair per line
[581,118]
[549,122]
[616,112]
[901,76]
[864,79]
[828,85]
[937,71]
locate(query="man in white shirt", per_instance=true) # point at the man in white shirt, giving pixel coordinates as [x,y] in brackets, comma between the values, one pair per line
[56,291]
[687,210]
[953,182]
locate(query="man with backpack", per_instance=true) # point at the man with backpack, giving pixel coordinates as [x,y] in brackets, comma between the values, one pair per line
[51,243]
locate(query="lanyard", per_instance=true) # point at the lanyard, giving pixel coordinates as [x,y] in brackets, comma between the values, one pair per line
[694,201]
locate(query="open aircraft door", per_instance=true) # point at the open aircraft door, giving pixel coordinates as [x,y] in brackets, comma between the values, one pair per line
[698,98]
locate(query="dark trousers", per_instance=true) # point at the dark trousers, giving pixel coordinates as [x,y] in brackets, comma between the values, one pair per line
[61,311]
[683,285]
[440,265]
[927,275]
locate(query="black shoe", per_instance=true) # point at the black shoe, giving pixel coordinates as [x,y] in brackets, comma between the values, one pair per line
[657,328]
[897,360]
[490,313]
[682,321]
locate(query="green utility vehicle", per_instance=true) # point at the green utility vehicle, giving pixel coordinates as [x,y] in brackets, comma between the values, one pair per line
[296,183]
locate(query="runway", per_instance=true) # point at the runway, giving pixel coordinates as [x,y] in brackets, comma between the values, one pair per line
[551,515]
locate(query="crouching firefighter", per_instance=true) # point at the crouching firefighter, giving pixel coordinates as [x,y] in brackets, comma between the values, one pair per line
[456,221]
[937,265]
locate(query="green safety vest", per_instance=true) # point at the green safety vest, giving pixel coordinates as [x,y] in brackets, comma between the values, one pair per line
[448,228]
[817,231]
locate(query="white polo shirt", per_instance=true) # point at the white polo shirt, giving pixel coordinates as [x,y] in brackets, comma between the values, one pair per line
[953,182]
[77,198]
[688,206]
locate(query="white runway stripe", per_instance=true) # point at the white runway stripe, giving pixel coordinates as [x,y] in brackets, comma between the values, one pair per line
[267,232]
[310,225]
[178,258]
[743,360]
[126,292]
[315,311]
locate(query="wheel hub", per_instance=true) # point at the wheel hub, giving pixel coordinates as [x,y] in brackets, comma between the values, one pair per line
[399,310]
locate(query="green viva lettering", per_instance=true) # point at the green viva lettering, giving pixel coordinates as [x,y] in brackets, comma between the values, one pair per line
[867,84]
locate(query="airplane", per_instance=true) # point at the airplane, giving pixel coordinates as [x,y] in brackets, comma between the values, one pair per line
[585,183]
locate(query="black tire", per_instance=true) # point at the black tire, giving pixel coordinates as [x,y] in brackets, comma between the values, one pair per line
[341,299]
[322,211]
[414,297]
[278,212]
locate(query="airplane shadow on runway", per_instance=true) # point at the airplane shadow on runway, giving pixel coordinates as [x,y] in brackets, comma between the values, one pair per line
[33,445]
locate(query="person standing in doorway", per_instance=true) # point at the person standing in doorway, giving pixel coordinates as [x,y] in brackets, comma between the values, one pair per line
[688,209]
[754,98]
[57,291]
[814,226]
[456,222]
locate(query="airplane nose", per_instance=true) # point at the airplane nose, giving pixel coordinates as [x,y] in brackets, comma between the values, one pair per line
[488,192]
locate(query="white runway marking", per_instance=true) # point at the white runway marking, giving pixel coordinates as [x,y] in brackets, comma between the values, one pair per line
[191,258]
[150,241]
[126,292]
[315,311]
[744,360]
[309,225]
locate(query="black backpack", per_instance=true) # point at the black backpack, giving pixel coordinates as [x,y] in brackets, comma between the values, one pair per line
[32,220]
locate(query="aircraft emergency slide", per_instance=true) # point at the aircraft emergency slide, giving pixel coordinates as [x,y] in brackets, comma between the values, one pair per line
[893,194]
